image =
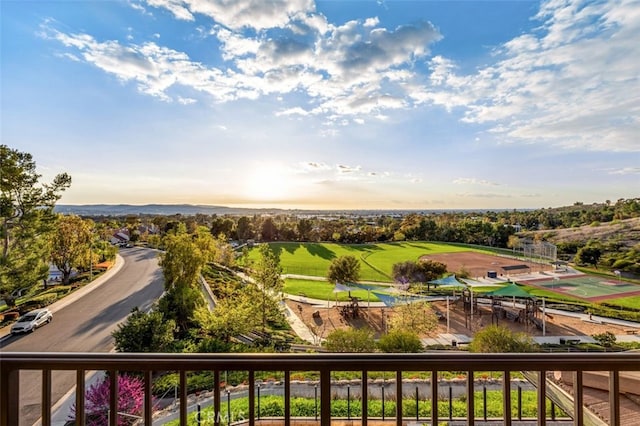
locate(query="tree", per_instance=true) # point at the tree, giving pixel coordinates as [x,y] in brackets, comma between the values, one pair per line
[268,230]
[26,221]
[431,270]
[305,226]
[344,269]
[182,261]
[266,272]
[422,271]
[350,340]
[71,245]
[417,317]
[233,315]
[181,265]
[144,332]
[500,339]
[244,229]
[179,304]
[589,255]
[222,226]
[400,341]
[406,272]
[130,401]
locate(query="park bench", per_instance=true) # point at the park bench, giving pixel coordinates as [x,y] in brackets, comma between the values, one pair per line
[631,330]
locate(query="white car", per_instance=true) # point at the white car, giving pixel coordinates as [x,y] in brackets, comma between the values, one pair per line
[32,320]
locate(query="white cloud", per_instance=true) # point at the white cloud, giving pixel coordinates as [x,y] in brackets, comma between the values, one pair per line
[347,169]
[177,7]
[483,195]
[237,14]
[625,171]
[474,181]
[186,101]
[312,166]
[572,83]
[356,68]
[293,111]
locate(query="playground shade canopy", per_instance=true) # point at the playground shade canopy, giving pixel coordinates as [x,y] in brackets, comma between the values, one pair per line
[511,290]
[449,281]
[341,287]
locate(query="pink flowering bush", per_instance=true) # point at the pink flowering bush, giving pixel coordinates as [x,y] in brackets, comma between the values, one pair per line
[130,401]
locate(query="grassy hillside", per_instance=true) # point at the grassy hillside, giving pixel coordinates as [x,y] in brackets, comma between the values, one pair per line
[625,232]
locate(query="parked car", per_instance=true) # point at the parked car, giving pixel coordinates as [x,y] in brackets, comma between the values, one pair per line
[32,320]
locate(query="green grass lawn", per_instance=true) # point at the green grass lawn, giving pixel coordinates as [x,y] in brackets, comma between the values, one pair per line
[632,302]
[376,260]
[321,290]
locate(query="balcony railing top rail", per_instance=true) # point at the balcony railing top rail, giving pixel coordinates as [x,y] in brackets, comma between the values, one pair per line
[622,361]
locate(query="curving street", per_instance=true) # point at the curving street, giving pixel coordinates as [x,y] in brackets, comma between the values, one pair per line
[85,325]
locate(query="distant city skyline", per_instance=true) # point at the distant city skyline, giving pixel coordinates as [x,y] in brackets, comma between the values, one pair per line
[327,104]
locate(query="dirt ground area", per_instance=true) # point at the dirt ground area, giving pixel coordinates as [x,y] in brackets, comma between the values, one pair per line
[326,320]
[479,264]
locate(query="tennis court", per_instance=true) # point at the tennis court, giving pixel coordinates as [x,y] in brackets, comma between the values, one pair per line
[588,287]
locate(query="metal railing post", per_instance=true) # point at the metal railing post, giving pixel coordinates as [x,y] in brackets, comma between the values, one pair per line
[434,397]
[113,398]
[46,397]
[252,398]
[471,414]
[365,398]
[578,412]
[484,401]
[287,398]
[542,398]
[382,396]
[183,397]
[506,397]
[325,398]
[216,398]
[398,398]
[614,398]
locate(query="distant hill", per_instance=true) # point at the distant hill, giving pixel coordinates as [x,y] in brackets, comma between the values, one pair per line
[155,209]
[191,209]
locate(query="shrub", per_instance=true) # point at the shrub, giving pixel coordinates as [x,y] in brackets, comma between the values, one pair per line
[400,341]
[144,332]
[606,339]
[500,339]
[351,340]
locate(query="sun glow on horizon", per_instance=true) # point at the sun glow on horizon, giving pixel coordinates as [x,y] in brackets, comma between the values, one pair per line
[269,183]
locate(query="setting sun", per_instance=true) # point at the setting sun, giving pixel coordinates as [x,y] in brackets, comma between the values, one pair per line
[268,183]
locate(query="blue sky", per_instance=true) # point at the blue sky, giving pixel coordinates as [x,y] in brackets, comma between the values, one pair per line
[327,104]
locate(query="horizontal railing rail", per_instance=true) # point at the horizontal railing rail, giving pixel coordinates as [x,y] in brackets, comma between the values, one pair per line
[12,363]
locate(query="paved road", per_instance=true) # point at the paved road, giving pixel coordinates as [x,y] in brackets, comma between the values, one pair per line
[86,324]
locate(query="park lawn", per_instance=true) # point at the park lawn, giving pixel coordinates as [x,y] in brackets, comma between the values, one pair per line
[391,253]
[321,290]
[313,259]
[376,260]
[631,302]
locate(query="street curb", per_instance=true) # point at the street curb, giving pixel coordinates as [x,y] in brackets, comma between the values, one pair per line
[5,332]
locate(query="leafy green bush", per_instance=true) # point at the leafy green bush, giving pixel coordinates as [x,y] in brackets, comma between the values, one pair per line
[400,341]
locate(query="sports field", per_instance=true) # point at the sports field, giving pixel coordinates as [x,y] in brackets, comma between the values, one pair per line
[376,260]
[591,288]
